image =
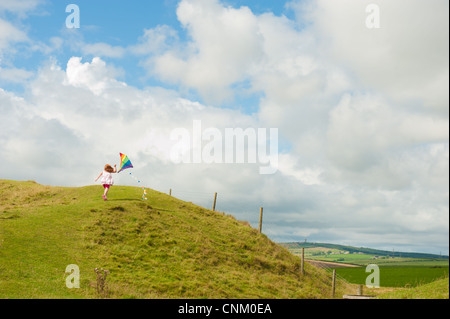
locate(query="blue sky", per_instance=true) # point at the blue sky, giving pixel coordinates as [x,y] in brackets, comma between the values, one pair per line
[115,22]
[119,23]
[362,113]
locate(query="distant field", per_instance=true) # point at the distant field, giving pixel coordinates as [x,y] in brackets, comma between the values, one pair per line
[364,260]
[345,258]
[394,271]
[396,276]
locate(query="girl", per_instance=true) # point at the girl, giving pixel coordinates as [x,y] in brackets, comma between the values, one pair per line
[107,179]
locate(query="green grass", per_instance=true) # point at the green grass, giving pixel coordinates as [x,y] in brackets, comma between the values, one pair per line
[435,290]
[159,248]
[397,276]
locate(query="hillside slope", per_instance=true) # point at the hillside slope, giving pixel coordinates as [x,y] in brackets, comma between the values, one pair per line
[159,248]
[435,290]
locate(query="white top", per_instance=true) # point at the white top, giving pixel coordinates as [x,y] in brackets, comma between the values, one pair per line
[107,178]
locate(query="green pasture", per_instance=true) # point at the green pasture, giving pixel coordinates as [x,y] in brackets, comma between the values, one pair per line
[396,276]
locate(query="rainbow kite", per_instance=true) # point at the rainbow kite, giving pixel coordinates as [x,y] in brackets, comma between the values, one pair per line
[124,162]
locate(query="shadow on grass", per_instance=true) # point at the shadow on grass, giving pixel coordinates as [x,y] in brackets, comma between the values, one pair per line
[137,200]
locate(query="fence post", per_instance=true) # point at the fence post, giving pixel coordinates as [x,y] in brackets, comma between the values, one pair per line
[333,284]
[214,204]
[260,219]
[170,192]
[360,290]
[303,262]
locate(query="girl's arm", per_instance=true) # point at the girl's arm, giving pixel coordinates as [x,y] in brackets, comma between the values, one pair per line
[115,168]
[99,176]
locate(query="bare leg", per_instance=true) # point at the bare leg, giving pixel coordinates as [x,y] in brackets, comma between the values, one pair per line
[105,193]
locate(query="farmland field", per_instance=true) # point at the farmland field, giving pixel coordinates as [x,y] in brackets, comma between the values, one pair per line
[396,276]
[396,270]
[364,260]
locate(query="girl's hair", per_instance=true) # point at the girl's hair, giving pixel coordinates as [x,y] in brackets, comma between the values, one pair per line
[109,168]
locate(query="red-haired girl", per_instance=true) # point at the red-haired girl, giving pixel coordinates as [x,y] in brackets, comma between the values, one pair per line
[107,179]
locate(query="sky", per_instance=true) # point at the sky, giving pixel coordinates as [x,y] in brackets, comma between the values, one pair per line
[355,90]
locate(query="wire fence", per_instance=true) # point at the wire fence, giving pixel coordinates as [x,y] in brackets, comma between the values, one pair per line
[323,266]
[340,281]
[204,199]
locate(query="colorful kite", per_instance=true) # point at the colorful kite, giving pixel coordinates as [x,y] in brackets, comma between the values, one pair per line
[124,163]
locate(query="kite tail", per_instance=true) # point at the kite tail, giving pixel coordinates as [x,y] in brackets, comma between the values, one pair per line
[144,196]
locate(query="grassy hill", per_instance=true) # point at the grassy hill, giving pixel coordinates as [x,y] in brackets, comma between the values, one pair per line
[159,248]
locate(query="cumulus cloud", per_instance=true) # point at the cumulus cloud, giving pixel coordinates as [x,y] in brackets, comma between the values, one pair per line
[364,129]
[225,44]
[405,58]
[94,76]
[87,99]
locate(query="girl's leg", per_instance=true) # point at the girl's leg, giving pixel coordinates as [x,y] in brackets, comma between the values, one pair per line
[105,192]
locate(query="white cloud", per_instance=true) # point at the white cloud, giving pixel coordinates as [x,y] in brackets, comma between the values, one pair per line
[155,40]
[21,6]
[9,34]
[94,76]
[364,130]
[14,75]
[225,44]
[309,176]
[143,118]
[407,57]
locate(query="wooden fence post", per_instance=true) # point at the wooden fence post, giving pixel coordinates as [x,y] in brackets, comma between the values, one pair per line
[360,290]
[170,192]
[214,204]
[303,262]
[333,284]
[260,219]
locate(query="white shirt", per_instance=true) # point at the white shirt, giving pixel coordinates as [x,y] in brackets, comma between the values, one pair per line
[107,178]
